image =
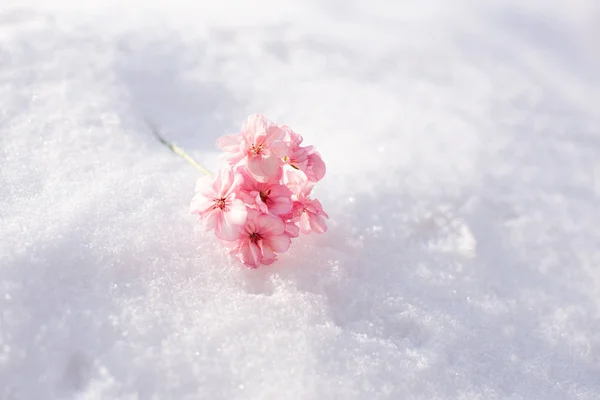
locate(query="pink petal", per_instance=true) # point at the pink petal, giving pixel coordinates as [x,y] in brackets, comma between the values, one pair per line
[247,197]
[297,181]
[315,167]
[236,213]
[232,246]
[201,204]
[255,126]
[230,143]
[250,254]
[293,138]
[298,157]
[316,205]
[232,158]
[235,186]
[260,204]
[279,149]
[280,191]
[274,179]
[209,219]
[269,255]
[223,181]
[268,261]
[296,213]
[280,205]
[270,225]
[273,134]
[271,164]
[304,223]
[252,221]
[317,223]
[248,181]
[278,243]
[226,226]
[262,167]
[234,147]
[291,229]
[292,176]
[254,167]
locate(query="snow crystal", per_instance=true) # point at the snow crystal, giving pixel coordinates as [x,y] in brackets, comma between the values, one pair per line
[463,147]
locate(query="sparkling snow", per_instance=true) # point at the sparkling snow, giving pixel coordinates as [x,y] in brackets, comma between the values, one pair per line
[462,140]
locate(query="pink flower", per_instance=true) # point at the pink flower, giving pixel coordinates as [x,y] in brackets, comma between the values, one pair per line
[307,213]
[261,200]
[291,229]
[268,197]
[216,203]
[297,181]
[314,167]
[263,235]
[260,146]
[296,154]
[305,159]
[311,216]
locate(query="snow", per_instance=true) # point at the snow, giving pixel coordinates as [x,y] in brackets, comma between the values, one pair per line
[462,141]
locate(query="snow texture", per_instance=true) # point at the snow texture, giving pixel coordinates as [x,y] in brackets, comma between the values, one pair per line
[462,140]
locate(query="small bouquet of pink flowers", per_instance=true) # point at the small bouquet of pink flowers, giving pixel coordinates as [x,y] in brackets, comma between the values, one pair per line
[260,199]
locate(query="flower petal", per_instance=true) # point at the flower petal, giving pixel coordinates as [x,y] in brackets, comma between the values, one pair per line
[255,126]
[317,223]
[262,167]
[280,198]
[250,254]
[230,143]
[201,204]
[269,256]
[260,204]
[291,229]
[223,182]
[268,261]
[232,158]
[278,243]
[280,205]
[279,149]
[297,181]
[247,197]
[316,205]
[270,225]
[236,185]
[304,223]
[280,191]
[315,167]
[273,134]
[209,219]
[226,227]
[236,213]
[293,138]
[251,225]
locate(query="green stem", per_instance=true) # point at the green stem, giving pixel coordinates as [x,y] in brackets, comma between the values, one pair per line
[177,150]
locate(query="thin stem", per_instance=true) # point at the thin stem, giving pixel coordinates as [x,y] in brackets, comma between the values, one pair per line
[176,149]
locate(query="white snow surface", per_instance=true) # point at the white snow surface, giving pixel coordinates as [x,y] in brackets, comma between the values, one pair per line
[462,140]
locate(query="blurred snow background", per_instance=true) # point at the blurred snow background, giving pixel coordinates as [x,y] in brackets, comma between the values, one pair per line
[462,140]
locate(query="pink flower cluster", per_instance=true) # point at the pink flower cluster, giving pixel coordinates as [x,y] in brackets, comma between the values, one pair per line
[260,199]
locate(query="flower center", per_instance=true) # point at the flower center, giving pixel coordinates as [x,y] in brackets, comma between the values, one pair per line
[255,237]
[256,149]
[264,196]
[220,203]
